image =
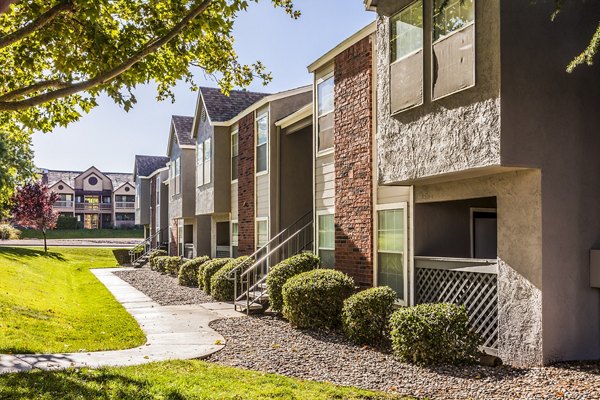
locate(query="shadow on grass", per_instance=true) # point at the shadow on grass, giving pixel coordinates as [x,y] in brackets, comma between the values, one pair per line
[24,252]
[80,384]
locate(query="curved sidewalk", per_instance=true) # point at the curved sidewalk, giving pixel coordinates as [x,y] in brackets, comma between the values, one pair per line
[172,332]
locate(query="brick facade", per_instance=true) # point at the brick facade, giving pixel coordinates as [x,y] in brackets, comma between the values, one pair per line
[246,212]
[354,162]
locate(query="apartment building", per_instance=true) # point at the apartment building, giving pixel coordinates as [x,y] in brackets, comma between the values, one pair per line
[476,114]
[98,200]
[150,174]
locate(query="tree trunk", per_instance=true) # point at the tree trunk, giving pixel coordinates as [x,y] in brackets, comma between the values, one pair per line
[45,245]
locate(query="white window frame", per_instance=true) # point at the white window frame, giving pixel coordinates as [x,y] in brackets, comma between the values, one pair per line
[178,175]
[256,145]
[200,164]
[388,207]
[236,133]
[322,79]
[257,220]
[321,213]
[423,28]
[207,161]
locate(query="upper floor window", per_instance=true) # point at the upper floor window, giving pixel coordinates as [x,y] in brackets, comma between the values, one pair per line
[234,154]
[262,138]
[325,107]
[207,160]
[178,175]
[451,15]
[407,31]
[200,164]
[158,190]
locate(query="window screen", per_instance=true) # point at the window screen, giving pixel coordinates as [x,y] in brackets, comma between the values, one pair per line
[325,104]
[234,155]
[451,15]
[326,236]
[406,31]
[390,250]
[262,138]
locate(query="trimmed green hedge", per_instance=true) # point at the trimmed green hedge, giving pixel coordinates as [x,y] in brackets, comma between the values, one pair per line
[208,270]
[66,222]
[434,334]
[365,316]
[172,265]
[122,256]
[160,264]
[153,255]
[314,299]
[188,273]
[221,287]
[279,275]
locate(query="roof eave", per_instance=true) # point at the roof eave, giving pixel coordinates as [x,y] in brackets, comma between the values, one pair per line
[298,116]
[344,45]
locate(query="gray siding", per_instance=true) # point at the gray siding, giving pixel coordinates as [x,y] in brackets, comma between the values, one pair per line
[325,182]
[262,196]
[142,213]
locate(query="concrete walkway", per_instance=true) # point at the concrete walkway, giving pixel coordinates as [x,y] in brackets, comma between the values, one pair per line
[173,332]
[98,242]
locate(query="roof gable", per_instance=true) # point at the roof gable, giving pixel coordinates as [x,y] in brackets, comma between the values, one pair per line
[146,165]
[181,131]
[221,108]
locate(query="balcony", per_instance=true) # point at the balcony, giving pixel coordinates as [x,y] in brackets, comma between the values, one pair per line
[93,207]
[122,204]
[63,204]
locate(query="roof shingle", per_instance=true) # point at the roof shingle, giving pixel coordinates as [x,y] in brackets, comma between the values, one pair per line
[222,108]
[146,165]
[183,129]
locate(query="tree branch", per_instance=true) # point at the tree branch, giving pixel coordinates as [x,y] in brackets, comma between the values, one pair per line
[24,91]
[107,76]
[36,24]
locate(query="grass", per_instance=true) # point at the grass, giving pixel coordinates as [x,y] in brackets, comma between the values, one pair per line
[84,234]
[171,380]
[53,303]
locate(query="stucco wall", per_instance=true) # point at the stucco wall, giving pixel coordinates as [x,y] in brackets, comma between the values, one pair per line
[456,133]
[142,213]
[519,203]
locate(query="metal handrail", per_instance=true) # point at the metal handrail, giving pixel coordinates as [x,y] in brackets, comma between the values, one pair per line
[146,247]
[297,237]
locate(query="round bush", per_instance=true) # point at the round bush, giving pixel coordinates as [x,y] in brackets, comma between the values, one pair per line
[188,273]
[314,299]
[153,255]
[279,274]
[208,270]
[160,264]
[171,265]
[433,334]
[221,287]
[365,316]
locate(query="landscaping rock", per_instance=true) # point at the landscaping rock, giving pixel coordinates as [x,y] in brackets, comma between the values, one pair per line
[268,344]
[162,288]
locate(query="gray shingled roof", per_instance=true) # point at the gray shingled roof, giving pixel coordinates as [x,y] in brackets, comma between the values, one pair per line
[53,176]
[146,165]
[222,108]
[183,129]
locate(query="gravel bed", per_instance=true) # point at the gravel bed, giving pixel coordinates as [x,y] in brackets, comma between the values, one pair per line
[268,344]
[163,288]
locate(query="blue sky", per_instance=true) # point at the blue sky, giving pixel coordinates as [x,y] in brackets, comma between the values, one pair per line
[109,137]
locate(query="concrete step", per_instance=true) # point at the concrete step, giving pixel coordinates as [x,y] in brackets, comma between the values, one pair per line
[241,304]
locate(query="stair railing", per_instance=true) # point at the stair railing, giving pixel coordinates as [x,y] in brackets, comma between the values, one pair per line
[249,283]
[146,247]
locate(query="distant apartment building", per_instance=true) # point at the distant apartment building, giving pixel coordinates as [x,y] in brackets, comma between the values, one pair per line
[98,200]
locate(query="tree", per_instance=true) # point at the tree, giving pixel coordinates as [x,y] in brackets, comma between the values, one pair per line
[58,56]
[33,208]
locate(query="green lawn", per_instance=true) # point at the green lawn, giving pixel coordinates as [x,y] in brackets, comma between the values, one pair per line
[54,303]
[84,234]
[170,380]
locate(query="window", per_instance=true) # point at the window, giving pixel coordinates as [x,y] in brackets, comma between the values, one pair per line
[125,217]
[180,237]
[406,31]
[484,236]
[262,232]
[234,154]
[234,238]
[207,161]
[325,107]
[200,164]
[455,15]
[262,137]
[326,240]
[178,175]
[391,268]
[158,190]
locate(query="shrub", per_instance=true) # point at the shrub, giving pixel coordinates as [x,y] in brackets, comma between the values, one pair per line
[122,256]
[153,255]
[9,232]
[160,263]
[188,273]
[221,287]
[208,270]
[366,315]
[171,265]
[433,333]
[279,274]
[314,299]
[66,222]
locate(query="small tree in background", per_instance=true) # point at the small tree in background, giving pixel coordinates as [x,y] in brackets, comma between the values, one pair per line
[32,208]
